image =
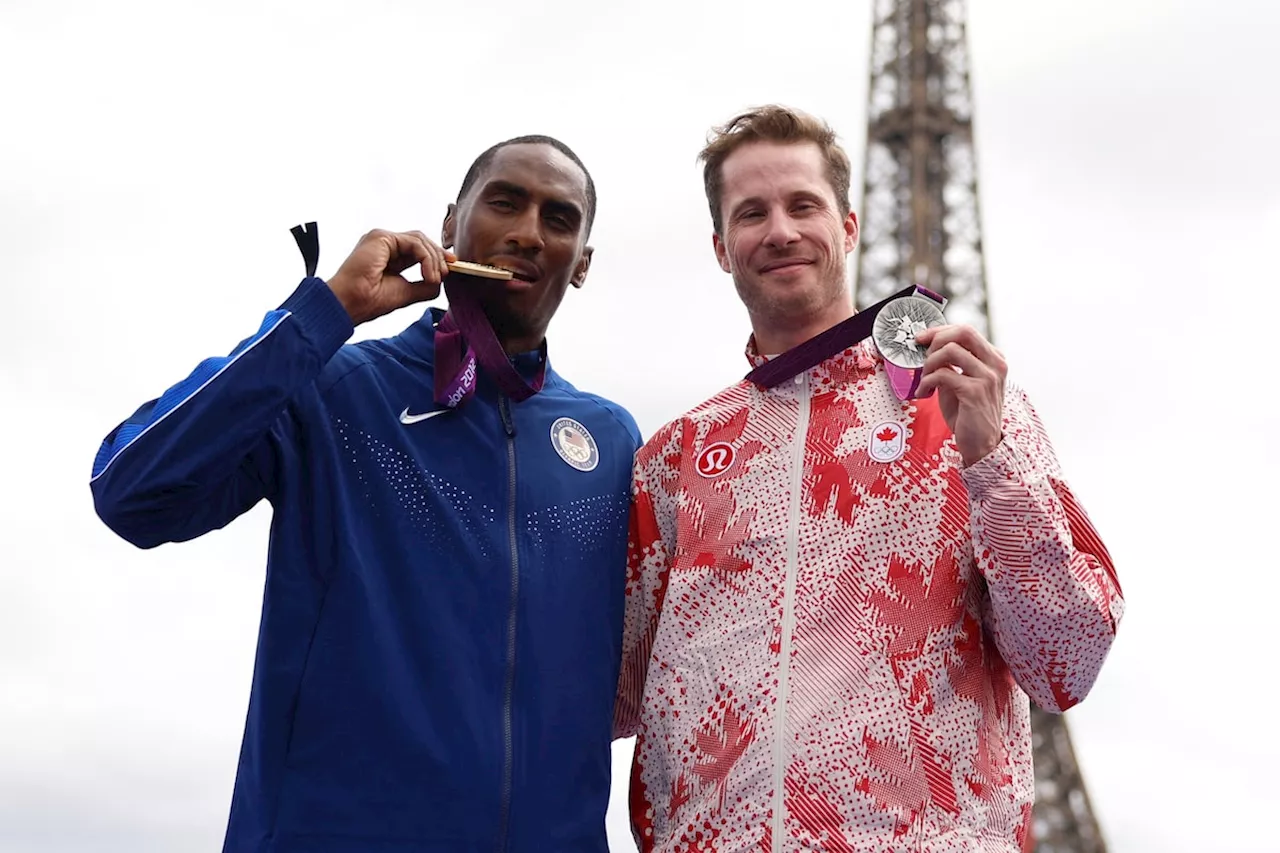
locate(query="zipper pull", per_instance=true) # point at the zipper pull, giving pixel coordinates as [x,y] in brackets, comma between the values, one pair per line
[504,409]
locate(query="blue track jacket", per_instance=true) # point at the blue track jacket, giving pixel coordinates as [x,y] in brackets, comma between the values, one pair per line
[442,614]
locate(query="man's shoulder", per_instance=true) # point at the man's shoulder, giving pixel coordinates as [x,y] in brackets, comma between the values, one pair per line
[592,401]
[366,359]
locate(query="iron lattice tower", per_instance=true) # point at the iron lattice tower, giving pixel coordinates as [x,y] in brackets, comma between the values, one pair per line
[920,224]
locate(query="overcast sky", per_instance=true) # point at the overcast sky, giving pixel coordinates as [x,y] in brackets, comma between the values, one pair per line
[155,154]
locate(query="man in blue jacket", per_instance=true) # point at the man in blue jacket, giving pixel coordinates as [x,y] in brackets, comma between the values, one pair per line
[439,643]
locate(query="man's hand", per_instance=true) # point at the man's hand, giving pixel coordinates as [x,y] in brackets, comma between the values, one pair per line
[968,373]
[369,284]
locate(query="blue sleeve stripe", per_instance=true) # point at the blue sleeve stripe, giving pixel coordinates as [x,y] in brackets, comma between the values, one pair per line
[148,417]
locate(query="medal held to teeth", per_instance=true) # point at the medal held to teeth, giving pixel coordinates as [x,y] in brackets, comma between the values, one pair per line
[480,270]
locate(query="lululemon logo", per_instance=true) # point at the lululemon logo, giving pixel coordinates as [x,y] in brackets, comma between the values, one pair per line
[715,459]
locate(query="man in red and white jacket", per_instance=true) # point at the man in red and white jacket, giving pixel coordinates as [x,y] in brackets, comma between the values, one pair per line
[839,601]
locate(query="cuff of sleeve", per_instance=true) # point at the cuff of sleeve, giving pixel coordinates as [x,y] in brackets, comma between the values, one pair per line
[320,316]
[996,469]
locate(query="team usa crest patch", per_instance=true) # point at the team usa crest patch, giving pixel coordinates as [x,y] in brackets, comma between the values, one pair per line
[575,444]
[888,442]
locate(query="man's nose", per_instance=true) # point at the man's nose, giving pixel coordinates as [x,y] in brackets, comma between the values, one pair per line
[781,231]
[526,230]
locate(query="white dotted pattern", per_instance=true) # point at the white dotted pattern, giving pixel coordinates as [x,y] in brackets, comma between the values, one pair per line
[586,524]
[580,522]
[420,494]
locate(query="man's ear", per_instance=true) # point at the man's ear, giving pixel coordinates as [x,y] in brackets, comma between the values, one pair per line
[448,230]
[579,276]
[722,254]
[850,232]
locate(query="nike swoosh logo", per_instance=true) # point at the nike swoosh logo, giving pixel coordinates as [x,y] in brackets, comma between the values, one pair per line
[406,418]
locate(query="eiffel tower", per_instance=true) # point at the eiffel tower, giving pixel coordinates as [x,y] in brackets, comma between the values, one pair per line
[920,223]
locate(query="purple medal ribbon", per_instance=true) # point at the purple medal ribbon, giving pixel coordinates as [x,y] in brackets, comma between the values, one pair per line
[838,338]
[465,341]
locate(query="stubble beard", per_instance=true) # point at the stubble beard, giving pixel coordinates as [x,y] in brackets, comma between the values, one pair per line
[795,308]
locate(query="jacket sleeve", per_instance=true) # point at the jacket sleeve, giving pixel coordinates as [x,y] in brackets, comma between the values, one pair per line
[209,448]
[650,546]
[1053,600]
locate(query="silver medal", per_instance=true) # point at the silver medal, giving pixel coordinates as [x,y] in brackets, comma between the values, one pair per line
[896,328]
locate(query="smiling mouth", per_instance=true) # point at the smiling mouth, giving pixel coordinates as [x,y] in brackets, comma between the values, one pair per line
[789,263]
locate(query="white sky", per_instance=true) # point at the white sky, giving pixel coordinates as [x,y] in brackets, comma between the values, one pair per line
[155,154]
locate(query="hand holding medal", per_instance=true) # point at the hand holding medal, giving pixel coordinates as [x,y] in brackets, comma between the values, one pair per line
[922,353]
[969,374]
[897,322]
[369,284]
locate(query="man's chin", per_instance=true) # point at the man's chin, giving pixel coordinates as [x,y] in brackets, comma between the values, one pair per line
[508,306]
[518,286]
[788,304]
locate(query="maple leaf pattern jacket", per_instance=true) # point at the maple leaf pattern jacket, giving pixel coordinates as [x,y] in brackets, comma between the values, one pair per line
[832,630]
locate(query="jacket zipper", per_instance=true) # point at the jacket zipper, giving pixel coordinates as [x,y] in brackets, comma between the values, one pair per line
[789,616]
[505,815]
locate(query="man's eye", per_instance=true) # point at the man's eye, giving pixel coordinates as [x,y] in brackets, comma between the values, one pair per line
[502,204]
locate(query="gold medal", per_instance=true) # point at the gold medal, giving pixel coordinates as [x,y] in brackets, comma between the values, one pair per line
[480,270]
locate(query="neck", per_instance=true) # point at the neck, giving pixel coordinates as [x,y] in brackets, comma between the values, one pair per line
[515,337]
[775,335]
[513,345]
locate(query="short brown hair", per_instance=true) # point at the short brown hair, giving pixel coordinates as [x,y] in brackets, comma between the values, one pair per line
[772,123]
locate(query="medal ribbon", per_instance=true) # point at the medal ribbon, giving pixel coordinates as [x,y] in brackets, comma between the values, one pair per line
[465,338]
[838,338]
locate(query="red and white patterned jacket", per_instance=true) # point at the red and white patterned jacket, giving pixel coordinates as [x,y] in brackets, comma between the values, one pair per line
[823,651]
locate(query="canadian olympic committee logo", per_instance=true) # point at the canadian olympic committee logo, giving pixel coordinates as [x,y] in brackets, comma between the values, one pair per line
[574,444]
[888,442]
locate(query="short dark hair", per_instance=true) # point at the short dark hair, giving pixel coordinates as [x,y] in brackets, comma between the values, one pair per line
[482,162]
[771,123]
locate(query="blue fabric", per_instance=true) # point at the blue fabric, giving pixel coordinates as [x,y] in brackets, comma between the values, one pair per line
[155,411]
[442,613]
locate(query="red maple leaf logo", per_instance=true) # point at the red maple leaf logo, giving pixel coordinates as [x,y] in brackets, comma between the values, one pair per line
[845,480]
[679,795]
[710,527]
[913,778]
[902,790]
[721,749]
[974,678]
[848,481]
[887,434]
[919,608]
